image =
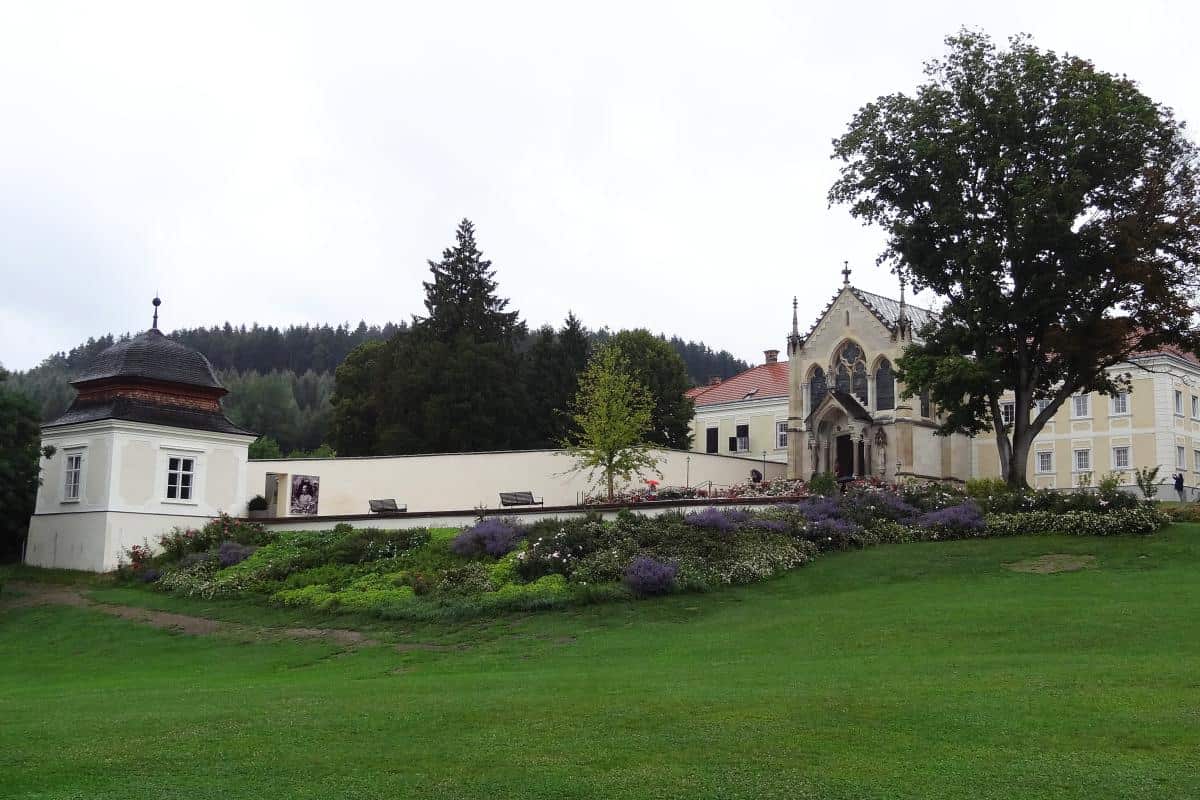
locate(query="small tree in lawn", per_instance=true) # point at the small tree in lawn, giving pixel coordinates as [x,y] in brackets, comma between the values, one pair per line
[1056,210]
[612,415]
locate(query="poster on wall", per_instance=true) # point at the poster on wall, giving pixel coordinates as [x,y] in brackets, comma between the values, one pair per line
[305,489]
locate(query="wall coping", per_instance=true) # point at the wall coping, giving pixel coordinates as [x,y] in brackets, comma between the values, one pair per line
[698,502]
[484,453]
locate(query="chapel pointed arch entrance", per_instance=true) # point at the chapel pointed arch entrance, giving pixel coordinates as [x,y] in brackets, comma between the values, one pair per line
[838,439]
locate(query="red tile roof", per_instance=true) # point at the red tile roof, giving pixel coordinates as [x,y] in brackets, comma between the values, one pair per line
[756,383]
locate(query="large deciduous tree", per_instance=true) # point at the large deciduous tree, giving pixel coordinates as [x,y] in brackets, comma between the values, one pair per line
[613,418]
[1054,207]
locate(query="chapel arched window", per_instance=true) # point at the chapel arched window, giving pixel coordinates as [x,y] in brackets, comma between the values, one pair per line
[816,388]
[850,371]
[885,386]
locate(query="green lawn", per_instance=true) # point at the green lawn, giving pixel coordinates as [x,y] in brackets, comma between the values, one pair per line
[920,670]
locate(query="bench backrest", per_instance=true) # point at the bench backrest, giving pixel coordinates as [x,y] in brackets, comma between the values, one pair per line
[516,498]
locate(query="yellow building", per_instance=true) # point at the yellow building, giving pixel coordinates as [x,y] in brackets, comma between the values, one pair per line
[1156,423]
[744,416]
[836,406]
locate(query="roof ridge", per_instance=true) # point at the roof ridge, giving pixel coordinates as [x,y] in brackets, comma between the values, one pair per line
[893,300]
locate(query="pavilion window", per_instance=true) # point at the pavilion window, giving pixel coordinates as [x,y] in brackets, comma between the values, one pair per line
[885,387]
[925,404]
[73,476]
[181,474]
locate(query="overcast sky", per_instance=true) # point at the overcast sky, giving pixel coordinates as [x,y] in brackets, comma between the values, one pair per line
[662,165]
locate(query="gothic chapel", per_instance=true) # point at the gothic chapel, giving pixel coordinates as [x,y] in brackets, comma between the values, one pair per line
[845,410]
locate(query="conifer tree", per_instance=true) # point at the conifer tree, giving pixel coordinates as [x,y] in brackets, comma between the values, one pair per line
[461,299]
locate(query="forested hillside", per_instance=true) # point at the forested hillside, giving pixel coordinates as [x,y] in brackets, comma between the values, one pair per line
[281,380]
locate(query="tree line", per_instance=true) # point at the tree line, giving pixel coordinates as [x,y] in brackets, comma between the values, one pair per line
[281,380]
[469,376]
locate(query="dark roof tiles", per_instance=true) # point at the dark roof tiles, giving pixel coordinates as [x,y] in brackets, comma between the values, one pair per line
[131,410]
[151,356]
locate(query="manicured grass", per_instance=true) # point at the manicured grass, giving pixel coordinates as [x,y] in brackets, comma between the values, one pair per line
[921,670]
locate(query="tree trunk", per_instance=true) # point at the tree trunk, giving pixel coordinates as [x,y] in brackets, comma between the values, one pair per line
[1018,460]
[610,487]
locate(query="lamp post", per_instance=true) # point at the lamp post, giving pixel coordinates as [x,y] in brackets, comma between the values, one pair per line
[764,466]
[687,480]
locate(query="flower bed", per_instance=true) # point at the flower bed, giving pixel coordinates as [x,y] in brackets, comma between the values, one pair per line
[651,492]
[500,564]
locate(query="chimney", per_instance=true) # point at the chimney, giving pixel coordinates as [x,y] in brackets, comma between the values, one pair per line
[771,355]
[715,380]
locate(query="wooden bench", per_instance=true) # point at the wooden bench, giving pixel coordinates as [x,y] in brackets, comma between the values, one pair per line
[386,507]
[519,499]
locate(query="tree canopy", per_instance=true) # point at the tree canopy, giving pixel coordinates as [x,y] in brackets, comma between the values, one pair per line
[655,365]
[20,467]
[1054,209]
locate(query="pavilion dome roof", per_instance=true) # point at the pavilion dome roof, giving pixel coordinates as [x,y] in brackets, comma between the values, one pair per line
[151,356]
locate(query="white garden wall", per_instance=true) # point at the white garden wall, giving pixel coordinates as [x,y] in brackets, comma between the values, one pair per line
[465,481]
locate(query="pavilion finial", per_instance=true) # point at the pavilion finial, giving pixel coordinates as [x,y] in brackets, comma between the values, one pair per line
[156,303]
[845,273]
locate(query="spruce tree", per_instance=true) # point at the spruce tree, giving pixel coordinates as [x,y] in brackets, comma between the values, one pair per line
[461,299]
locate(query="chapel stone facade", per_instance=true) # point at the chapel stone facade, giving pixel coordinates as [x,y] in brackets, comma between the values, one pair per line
[846,410]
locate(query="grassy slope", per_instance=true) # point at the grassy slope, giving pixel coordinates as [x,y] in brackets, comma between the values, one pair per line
[905,671]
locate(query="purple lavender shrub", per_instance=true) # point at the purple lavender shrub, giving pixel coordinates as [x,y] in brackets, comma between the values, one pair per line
[646,576]
[834,534]
[149,575]
[714,519]
[819,508]
[964,519]
[495,537]
[867,506]
[233,553]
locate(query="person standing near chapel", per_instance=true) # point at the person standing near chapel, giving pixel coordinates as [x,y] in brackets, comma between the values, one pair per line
[1179,485]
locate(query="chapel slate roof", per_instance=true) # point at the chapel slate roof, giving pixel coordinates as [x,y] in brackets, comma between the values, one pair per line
[132,410]
[847,401]
[151,356]
[888,310]
[756,383]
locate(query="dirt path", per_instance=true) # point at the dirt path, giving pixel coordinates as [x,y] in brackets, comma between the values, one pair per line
[41,594]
